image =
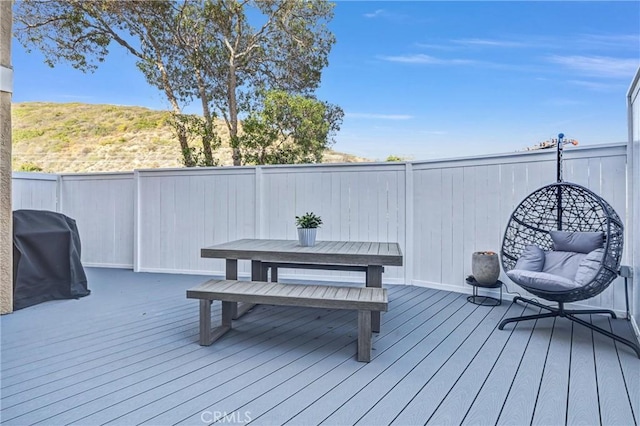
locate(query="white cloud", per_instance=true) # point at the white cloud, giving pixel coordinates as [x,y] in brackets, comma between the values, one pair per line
[435,46]
[611,41]
[561,102]
[370,116]
[375,14]
[434,132]
[389,16]
[426,59]
[599,66]
[489,43]
[596,86]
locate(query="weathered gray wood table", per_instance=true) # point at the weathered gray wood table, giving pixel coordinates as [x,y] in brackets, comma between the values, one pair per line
[369,257]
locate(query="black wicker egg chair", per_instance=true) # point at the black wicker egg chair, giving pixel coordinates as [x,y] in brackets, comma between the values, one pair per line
[563,243]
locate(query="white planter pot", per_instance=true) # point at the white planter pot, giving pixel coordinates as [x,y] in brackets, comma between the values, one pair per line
[307,236]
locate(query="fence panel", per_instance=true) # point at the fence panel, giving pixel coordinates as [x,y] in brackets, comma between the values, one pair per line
[34,191]
[181,211]
[102,206]
[633,105]
[356,203]
[462,206]
[158,220]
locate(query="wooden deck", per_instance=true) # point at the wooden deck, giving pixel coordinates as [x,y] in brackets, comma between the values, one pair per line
[129,354]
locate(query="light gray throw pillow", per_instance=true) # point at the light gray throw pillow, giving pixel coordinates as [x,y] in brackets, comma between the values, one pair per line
[581,242]
[562,263]
[589,267]
[531,259]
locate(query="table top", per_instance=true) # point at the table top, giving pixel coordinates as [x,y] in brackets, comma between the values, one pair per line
[327,252]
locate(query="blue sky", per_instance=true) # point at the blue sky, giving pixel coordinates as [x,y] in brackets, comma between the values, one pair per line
[428,79]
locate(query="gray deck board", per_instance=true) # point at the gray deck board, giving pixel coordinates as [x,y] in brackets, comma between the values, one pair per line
[314,391]
[390,383]
[198,390]
[449,369]
[129,354]
[551,404]
[331,406]
[583,405]
[205,400]
[485,383]
[129,383]
[519,405]
[630,368]
[408,377]
[614,408]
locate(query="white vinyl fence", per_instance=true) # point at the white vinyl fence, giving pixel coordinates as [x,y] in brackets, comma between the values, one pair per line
[440,211]
[633,105]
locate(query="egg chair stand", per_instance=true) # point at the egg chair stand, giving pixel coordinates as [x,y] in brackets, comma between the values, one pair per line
[570,314]
[563,210]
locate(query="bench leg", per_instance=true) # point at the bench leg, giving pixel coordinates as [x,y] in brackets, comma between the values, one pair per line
[374,279]
[231,273]
[238,310]
[364,336]
[258,273]
[205,322]
[207,336]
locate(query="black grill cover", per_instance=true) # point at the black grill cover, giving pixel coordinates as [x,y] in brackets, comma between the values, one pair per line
[46,258]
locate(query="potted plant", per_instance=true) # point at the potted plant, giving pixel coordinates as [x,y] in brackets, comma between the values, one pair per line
[485,267]
[308,224]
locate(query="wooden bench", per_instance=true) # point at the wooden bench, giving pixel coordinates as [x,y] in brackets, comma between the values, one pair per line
[273,266]
[229,292]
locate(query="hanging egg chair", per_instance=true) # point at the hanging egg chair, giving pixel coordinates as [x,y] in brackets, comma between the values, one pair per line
[563,243]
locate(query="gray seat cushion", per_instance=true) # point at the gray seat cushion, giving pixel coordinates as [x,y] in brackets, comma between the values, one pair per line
[560,270]
[541,280]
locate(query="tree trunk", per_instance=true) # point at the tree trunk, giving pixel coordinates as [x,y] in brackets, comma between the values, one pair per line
[187,157]
[206,112]
[233,111]
[181,132]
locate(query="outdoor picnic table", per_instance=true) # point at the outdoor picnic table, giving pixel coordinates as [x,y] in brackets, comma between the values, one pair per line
[265,254]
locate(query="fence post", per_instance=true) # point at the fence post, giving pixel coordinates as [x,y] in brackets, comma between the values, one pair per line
[59,183]
[136,221]
[408,225]
[259,210]
[633,193]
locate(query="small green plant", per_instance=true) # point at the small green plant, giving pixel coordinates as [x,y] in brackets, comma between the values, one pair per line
[29,167]
[308,220]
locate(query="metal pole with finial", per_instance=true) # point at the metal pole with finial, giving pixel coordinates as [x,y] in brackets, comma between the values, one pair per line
[559,178]
[559,144]
[559,157]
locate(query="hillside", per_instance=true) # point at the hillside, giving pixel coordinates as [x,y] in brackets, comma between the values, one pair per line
[76,137]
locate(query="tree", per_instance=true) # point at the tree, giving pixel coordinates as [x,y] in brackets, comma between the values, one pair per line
[192,49]
[286,51]
[289,129]
[81,32]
